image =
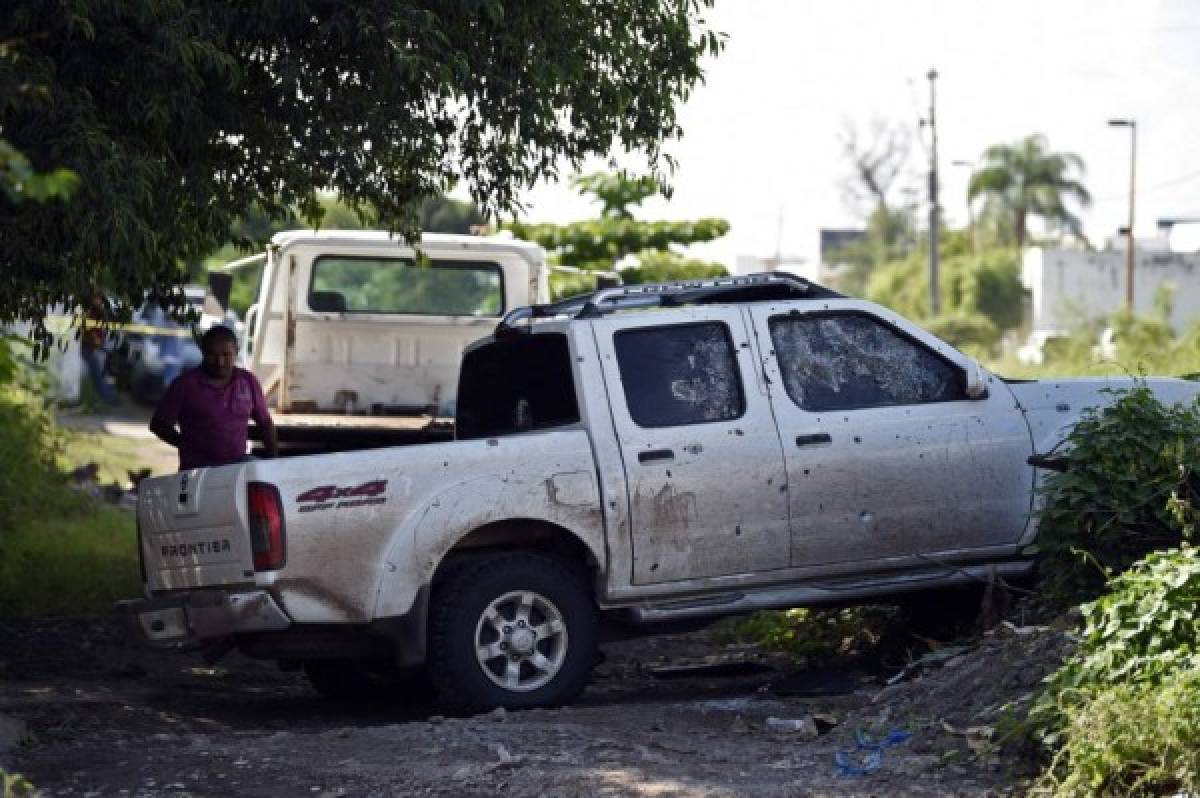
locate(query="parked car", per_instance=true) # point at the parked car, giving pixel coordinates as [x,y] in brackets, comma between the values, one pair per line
[736,444]
[154,348]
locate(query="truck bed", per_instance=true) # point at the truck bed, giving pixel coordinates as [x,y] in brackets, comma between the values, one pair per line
[310,433]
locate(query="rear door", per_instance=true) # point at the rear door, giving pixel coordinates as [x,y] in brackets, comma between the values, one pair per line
[705,474]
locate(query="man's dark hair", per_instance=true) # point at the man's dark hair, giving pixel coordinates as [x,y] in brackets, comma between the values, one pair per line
[215,335]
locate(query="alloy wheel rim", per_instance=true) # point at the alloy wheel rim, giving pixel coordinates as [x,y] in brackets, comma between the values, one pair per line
[521,641]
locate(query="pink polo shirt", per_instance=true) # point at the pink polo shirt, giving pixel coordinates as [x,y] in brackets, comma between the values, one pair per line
[212,421]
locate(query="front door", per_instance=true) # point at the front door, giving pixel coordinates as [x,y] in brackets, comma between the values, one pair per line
[706,480]
[886,455]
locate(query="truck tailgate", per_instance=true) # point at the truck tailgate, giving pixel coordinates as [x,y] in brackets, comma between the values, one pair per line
[192,529]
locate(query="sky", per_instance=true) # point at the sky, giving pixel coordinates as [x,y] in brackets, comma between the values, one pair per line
[760,145]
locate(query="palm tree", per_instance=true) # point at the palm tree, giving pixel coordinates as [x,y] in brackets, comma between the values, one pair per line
[1025,179]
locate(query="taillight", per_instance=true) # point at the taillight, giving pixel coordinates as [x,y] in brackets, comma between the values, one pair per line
[266,526]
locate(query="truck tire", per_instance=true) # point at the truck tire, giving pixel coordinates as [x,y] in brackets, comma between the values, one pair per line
[515,631]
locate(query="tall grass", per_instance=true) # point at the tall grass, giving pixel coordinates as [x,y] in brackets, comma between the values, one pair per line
[61,551]
[1144,345]
[68,563]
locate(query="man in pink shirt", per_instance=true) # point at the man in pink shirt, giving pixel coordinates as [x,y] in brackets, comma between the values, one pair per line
[206,409]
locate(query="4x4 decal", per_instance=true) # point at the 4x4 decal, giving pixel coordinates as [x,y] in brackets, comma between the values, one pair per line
[323,496]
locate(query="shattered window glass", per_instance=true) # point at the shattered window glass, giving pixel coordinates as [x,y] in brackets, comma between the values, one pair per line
[679,375]
[848,361]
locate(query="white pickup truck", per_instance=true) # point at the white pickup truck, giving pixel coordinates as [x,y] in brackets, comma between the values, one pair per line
[634,456]
[357,339]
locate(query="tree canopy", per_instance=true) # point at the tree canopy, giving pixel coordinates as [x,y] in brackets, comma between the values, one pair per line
[1026,179]
[179,116]
[602,244]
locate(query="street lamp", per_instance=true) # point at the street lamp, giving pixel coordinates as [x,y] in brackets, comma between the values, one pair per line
[1132,125]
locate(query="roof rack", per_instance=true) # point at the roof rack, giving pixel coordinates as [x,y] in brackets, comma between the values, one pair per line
[741,288]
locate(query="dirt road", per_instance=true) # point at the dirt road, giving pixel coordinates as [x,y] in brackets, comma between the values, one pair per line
[101,717]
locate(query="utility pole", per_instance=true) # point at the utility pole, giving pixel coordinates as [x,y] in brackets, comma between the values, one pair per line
[935,301]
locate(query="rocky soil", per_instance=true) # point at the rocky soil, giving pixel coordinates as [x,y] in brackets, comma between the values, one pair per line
[84,713]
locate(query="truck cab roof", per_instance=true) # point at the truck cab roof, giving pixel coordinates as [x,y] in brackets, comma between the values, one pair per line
[375,238]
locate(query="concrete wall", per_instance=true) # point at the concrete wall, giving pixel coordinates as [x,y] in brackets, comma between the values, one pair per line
[1069,286]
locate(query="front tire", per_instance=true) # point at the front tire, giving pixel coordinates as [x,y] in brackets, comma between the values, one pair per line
[515,631]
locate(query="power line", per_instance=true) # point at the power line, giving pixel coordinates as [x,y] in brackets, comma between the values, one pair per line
[1165,184]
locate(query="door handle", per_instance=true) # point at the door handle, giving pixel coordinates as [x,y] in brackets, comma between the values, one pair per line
[814,439]
[655,454]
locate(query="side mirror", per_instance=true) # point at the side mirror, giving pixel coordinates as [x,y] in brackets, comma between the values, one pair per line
[977,377]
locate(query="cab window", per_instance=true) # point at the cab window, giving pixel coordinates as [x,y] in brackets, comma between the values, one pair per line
[682,374]
[848,361]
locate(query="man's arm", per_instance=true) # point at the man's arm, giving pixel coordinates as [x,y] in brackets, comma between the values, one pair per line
[270,440]
[166,415]
[262,419]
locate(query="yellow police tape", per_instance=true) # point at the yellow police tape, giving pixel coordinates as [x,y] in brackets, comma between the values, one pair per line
[62,324]
[146,329]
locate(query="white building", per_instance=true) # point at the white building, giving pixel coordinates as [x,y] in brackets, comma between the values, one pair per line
[1071,286]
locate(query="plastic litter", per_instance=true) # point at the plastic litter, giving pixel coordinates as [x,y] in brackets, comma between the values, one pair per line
[867,754]
[805,728]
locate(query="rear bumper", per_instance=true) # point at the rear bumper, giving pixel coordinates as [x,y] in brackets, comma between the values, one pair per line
[196,619]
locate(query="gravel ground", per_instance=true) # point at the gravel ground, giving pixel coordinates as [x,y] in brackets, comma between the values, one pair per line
[85,713]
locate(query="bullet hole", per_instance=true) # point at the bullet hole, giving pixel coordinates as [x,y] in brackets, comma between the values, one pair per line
[654,567]
[806,472]
[857,439]
[668,473]
[737,530]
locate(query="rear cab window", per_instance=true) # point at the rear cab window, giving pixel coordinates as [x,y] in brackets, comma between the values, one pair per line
[351,284]
[516,385]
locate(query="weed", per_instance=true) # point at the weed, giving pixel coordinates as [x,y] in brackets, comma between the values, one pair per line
[1122,716]
[16,786]
[1131,488]
[820,636]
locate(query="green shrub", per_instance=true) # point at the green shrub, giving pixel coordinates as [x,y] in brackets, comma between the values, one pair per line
[29,479]
[1131,488]
[61,552]
[986,285]
[16,786]
[975,335]
[1123,714]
